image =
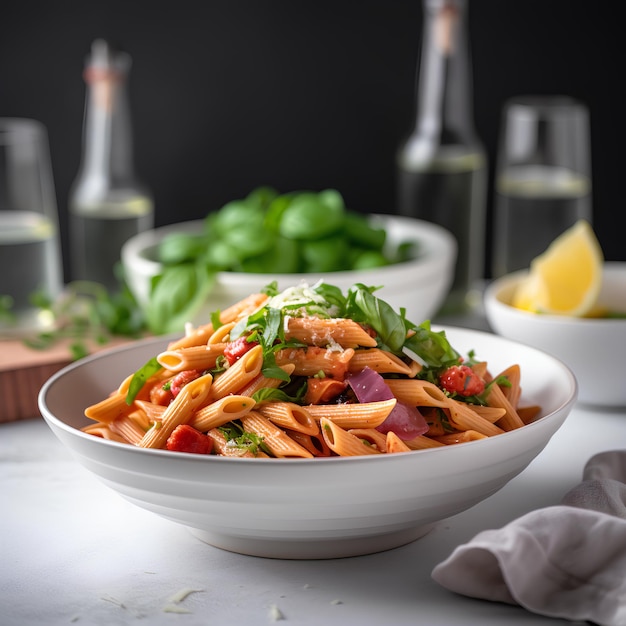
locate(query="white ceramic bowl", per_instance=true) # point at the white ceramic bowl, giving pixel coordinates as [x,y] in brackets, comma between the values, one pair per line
[309,508]
[593,348]
[420,285]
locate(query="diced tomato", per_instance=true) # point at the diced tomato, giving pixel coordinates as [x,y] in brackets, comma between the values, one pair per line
[463,380]
[185,438]
[181,379]
[236,349]
[161,394]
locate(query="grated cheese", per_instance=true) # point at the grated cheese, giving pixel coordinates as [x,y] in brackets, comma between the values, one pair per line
[180,595]
[275,613]
[175,608]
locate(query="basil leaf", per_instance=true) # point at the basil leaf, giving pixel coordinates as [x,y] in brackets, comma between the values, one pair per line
[177,295]
[250,239]
[395,333]
[180,248]
[262,196]
[283,257]
[367,259]
[267,394]
[308,217]
[325,255]
[235,215]
[359,231]
[140,377]
[368,309]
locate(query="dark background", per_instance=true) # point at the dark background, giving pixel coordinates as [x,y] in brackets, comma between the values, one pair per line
[228,95]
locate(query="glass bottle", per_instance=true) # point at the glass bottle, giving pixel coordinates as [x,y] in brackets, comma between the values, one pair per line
[442,166]
[107,203]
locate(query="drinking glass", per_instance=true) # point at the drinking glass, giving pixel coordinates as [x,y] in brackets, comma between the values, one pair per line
[542,177]
[30,251]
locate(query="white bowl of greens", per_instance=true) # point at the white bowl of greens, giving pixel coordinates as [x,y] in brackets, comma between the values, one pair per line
[183,272]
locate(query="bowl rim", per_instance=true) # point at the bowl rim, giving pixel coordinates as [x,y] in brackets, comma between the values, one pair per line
[495,302]
[57,422]
[439,240]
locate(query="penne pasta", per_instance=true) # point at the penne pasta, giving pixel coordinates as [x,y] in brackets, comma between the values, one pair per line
[280,444]
[322,390]
[395,444]
[104,431]
[301,384]
[423,443]
[262,382]
[371,436]
[154,412]
[512,393]
[460,437]
[178,412]
[313,360]
[221,335]
[510,420]
[192,358]
[222,411]
[460,415]
[290,416]
[238,375]
[379,361]
[200,335]
[528,413]
[109,409]
[128,429]
[322,332]
[366,415]
[315,444]
[490,413]
[341,442]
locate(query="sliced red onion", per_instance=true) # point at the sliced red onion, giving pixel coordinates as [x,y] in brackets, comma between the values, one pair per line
[404,420]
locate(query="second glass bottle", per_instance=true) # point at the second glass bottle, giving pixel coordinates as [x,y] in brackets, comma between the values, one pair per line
[107,204]
[442,166]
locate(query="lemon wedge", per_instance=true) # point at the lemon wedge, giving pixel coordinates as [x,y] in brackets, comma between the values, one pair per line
[566,278]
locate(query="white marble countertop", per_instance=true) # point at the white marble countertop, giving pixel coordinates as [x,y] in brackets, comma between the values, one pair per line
[73,551]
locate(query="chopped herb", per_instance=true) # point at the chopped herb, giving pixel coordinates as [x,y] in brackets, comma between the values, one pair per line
[237,437]
[215,320]
[84,312]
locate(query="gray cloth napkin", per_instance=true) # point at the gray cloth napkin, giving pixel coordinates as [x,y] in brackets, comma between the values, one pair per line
[566,561]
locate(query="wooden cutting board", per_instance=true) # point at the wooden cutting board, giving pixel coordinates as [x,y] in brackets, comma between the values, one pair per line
[23,371]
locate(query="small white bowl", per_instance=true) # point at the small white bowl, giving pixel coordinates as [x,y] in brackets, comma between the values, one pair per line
[592,347]
[309,508]
[420,285]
